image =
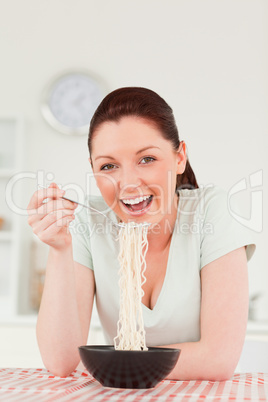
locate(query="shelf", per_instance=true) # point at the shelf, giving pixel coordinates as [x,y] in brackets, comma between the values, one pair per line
[257,328]
[6,173]
[22,320]
[6,235]
[31,319]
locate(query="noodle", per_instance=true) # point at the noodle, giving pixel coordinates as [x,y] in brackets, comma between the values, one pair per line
[133,247]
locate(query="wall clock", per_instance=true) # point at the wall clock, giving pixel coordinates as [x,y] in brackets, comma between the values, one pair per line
[70,100]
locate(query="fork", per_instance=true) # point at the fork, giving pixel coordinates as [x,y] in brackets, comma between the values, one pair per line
[120,225]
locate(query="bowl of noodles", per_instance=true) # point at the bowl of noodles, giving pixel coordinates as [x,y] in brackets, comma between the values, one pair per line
[129,363]
[128,368]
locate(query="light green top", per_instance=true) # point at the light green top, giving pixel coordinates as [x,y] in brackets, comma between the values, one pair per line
[204,231]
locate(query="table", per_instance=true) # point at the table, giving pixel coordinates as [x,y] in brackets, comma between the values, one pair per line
[40,385]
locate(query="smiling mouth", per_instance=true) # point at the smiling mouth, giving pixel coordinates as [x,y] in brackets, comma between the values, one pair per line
[138,204]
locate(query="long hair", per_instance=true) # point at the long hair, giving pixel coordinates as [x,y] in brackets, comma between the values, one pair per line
[147,104]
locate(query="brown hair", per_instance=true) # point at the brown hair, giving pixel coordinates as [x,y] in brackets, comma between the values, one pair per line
[147,104]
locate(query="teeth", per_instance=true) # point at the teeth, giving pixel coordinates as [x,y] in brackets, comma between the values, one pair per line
[136,200]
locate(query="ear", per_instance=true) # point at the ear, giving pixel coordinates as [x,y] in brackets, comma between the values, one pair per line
[181,157]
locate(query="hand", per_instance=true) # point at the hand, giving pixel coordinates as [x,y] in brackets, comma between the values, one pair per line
[50,220]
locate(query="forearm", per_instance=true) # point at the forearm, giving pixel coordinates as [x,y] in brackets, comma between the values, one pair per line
[197,361]
[58,327]
[223,322]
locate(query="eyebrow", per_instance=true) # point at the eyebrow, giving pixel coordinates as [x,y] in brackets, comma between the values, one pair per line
[137,153]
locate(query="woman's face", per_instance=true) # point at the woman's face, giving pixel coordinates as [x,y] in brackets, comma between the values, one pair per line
[135,169]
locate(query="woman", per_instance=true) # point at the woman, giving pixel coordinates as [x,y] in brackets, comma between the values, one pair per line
[196,290]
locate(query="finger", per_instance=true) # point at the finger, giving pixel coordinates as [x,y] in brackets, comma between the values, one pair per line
[48,207]
[50,219]
[56,205]
[39,214]
[40,195]
[35,215]
[50,234]
[53,185]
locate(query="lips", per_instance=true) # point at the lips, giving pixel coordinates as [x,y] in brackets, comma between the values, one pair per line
[137,207]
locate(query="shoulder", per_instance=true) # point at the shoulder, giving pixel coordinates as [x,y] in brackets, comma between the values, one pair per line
[201,199]
[97,202]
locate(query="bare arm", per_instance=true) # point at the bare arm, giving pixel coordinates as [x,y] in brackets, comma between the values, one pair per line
[66,306]
[65,312]
[224,312]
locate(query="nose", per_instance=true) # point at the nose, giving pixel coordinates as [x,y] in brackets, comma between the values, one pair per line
[129,180]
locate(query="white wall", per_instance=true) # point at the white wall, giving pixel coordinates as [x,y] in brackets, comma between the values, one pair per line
[207,58]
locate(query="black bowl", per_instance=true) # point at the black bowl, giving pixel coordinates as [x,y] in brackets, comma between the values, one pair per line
[128,368]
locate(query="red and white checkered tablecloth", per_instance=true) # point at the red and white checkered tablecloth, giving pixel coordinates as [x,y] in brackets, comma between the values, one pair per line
[31,385]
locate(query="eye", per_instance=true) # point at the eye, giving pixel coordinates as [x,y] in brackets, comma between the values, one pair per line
[108,166]
[146,160]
